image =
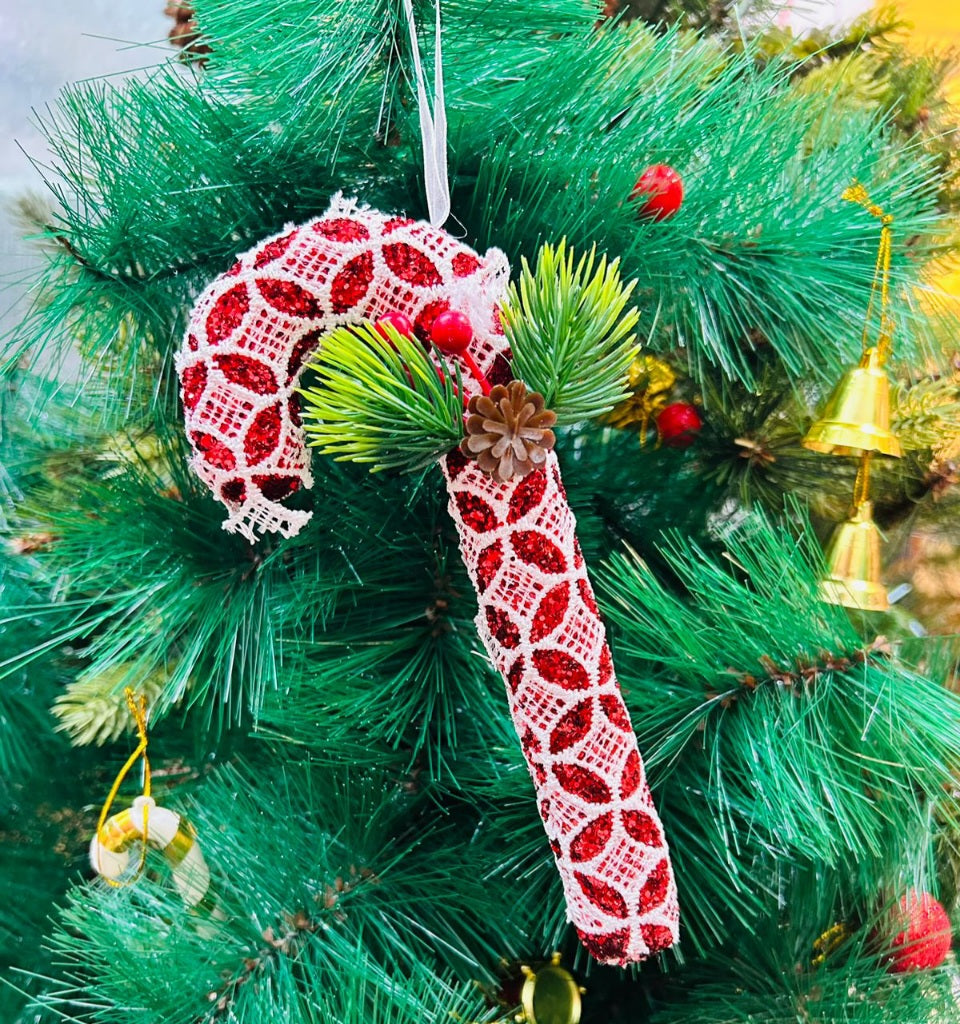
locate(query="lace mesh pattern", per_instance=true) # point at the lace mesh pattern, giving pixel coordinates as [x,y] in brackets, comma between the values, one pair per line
[253,329]
[539,623]
[249,336]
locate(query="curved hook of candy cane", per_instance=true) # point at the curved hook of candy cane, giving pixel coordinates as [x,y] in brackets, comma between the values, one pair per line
[253,329]
[168,832]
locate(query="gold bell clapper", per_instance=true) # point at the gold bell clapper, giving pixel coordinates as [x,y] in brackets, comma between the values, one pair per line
[853,564]
[856,418]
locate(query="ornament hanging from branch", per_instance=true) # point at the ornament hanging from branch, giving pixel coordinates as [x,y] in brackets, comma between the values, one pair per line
[856,422]
[307,292]
[146,824]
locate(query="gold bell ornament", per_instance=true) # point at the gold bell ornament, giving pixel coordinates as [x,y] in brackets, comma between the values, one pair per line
[853,564]
[550,995]
[146,824]
[856,421]
[856,418]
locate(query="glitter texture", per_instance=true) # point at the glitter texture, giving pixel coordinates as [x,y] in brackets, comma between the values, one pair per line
[583,783]
[227,315]
[535,548]
[603,896]
[273,250]
[234,490]
[193,381]
[527,495]
[342,229]
[616,712]
[476,513]
[352,283]
[411,265]
[560,668]
[630,780]
[550,612]
[657,937]
[271,311]
[246,371]
[593,840]
[490,560]
[464,264]
[656,886]
[572,728]
[501,626]
[641,827]
[288,297]
[263,435]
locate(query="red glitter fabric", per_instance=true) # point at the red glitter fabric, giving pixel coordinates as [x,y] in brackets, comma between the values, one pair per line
[250,334]
[540,624]
[254,328]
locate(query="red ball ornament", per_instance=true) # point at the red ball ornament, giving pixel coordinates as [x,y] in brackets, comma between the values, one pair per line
[925,934]
[678,425]
[400,323]
[451,332]
[659,191]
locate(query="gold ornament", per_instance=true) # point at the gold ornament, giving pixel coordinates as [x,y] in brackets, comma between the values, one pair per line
[550,995]
[651,381]
[145,823]
[856,418]
[853,564]
[856,421]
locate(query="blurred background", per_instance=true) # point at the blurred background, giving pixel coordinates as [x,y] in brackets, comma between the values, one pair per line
[45,44]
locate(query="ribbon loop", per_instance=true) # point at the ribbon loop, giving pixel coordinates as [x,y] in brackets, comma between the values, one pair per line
[856,193]
[433,126]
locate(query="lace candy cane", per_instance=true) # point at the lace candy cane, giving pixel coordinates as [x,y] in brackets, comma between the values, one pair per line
[249,335]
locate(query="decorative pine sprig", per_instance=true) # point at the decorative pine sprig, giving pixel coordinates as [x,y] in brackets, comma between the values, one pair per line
[570,331]
[382,401]
[92,709]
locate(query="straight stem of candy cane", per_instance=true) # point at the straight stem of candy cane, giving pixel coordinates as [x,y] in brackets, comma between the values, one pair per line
[539,622]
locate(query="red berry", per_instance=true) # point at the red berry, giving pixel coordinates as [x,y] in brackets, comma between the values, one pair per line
[660,191]
[678,425]
[451,332]
[924,937]
[400,323]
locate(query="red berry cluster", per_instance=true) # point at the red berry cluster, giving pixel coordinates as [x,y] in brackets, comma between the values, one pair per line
[451,332]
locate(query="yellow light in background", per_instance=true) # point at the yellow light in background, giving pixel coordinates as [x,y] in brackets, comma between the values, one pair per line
[936,27]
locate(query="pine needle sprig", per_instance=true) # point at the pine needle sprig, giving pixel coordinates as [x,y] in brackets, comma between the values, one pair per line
[570,331]
[92,708]
[383,402]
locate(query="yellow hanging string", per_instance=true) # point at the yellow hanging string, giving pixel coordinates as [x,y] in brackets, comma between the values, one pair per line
[856,193]
[138,709]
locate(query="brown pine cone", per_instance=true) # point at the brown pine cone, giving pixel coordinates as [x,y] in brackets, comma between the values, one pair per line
[508,431]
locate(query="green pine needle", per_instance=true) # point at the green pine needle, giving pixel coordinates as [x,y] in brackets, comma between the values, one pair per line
[382,402]
[571,333]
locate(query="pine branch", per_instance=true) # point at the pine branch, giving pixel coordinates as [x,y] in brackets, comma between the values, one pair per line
[801,758]
[353,880]
[382,401]
[570,332]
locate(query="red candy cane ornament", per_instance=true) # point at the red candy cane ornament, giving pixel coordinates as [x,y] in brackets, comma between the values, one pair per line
[249,336]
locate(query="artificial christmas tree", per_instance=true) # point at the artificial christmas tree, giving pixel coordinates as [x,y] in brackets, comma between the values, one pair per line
[322,709]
